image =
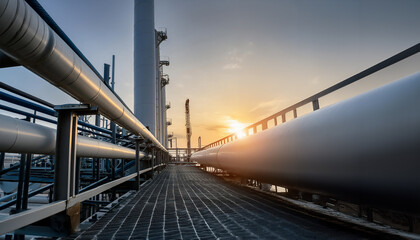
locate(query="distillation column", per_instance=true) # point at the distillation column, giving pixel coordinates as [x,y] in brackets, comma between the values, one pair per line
[165,124]
[145,63]
[161,81]
[188,126]
[159,114]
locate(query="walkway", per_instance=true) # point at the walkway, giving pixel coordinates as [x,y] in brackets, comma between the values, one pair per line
[184,202]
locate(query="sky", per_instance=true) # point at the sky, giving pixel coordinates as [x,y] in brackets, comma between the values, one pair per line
[239,61]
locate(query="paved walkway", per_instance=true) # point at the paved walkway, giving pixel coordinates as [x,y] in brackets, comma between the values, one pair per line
[186,203]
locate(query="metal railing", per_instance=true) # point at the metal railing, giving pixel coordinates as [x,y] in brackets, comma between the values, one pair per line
[181,154]
[25,218]
[314,99]
[95,185]
[67,189]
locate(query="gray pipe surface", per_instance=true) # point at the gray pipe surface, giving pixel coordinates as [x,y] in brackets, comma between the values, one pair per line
[364,149]
[29,41]
[18,136]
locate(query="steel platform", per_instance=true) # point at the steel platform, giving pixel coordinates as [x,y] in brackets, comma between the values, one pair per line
[184,202]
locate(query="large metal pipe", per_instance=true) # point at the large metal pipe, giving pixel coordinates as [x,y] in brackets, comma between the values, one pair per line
[365,149]
[145,63]
[18,136]
[28,40]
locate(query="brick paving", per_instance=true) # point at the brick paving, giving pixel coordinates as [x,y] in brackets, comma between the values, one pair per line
[184,202]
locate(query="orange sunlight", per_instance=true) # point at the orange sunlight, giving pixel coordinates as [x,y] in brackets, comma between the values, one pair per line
[237,127]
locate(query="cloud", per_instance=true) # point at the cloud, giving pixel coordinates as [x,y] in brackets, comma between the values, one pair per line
[315,81]
[234,58]
[232,66]
[215,127]
[225,124]
[268,107]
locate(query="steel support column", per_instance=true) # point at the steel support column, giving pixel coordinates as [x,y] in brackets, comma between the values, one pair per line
[65,155]
[77,182]
[20,183]
[26,182]
[66,179]
[2,156]
[137,164]
[315,104]
[146,162]
[65,164]
[152,162]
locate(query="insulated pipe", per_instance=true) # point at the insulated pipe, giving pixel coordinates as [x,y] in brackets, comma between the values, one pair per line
[365,149]
[145,63]
[29,41]
[18,136]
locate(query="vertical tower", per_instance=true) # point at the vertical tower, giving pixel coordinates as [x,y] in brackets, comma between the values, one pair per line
[161,81]
[145,63]
[159,115]
[188,125]
[165,123]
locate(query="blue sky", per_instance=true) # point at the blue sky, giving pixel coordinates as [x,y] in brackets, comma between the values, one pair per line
[240,60]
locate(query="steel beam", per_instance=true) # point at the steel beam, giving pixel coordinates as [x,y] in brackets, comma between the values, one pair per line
[26,181]
[2,156]
[20,183]
[137,164]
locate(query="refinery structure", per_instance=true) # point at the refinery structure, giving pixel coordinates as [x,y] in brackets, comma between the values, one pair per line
[95,169]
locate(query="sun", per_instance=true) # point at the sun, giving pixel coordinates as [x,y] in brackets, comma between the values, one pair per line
[237,128]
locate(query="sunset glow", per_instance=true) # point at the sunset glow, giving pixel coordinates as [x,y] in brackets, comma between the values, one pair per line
[237,127]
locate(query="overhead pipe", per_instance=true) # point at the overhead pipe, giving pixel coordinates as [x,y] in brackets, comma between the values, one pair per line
[28,40]
[18,136]
[364,149]
[34,4]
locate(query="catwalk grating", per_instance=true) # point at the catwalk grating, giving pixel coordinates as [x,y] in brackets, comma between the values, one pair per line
[184,202]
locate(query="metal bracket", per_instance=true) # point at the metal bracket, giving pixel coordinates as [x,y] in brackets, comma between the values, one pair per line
[79,109]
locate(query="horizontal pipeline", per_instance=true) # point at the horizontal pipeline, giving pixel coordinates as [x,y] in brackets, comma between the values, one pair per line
[364,149]
[28,40]
[18,136]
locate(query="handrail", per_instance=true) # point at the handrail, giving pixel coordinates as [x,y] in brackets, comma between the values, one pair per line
[17,165]
[314,98]
[24,94]
[94,184]
[30,194]
[31,115]
[25,218]
[21,102]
